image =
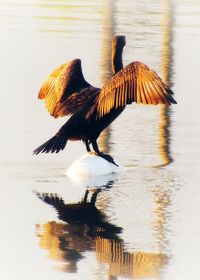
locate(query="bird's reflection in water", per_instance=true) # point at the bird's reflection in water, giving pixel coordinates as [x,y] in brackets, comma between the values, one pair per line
[86,228]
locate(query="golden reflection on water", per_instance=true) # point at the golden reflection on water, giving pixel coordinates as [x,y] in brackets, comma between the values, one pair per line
[166,62]
[61,245]
[87,229]
[105,61]
[162,199]
[50,239]
[132,265]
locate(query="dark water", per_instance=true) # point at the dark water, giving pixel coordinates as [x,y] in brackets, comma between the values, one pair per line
[141,224]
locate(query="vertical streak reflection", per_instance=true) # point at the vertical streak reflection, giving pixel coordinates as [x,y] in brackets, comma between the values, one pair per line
[162,197]
[166,62]
[108,32]
[137,265]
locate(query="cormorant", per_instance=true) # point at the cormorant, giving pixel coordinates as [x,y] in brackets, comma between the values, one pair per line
[66,92]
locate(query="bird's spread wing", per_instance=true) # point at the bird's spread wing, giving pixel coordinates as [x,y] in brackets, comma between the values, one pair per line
[62,89]
[76,101]
[135,83]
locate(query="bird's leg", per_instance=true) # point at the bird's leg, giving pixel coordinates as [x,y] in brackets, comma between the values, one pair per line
[94,197]
[95,146]
[85,196]
[87,146]
[101,154]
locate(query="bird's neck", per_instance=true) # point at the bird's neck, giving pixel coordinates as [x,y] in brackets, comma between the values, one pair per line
[117,63]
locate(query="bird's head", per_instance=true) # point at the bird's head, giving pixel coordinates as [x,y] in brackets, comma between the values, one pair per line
[119,41]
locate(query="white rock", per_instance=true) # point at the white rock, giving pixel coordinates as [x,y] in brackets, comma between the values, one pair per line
[92,165]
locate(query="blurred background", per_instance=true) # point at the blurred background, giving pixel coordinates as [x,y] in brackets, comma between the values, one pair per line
[141,224]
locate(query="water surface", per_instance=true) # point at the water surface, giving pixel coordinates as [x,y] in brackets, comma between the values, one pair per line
[142,224]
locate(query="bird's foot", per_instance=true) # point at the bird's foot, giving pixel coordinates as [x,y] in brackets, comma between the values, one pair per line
[108,158]
[93,153]
[104,156]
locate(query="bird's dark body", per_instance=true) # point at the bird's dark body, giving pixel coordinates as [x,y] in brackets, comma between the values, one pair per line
[82,128]
[78,127]
[98,125]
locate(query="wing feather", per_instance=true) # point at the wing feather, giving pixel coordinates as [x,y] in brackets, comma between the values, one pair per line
[134,89]
[135,83]
[138,93]
[146,96]
[158,91]
[153,91]
[63,89]
[151,97]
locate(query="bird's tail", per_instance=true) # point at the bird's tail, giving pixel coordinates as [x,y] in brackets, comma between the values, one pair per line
[53,145]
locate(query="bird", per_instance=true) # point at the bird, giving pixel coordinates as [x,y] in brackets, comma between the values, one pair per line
[92,109]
